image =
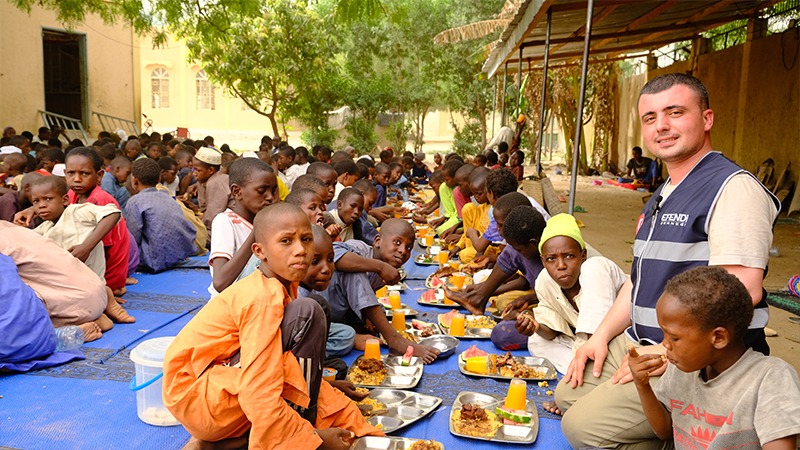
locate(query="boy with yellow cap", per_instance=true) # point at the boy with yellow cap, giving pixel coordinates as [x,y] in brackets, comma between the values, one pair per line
[574,292]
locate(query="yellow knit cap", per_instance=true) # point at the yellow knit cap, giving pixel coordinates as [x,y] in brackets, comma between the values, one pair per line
[562,225]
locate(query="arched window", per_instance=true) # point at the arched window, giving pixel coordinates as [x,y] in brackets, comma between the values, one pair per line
[205,91]
[159,82]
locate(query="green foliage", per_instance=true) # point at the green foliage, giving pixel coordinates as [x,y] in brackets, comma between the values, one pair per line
[361,133]
[398,134]
[467,137]
[319,136]
[274,62]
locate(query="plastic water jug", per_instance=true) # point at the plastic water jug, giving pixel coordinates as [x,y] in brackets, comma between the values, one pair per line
[148,357]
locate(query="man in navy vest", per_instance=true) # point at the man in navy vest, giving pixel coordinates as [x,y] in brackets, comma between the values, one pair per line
[709,212]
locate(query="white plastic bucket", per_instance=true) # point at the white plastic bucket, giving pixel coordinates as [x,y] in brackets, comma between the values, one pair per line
[148,357]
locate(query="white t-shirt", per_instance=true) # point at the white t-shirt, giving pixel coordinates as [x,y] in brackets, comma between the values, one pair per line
[233,231]
[292,172]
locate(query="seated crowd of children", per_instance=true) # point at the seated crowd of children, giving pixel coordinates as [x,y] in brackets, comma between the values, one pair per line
[298,242]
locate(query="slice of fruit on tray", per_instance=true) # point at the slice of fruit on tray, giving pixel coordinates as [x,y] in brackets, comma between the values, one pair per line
[429,296]
[472,352]
[444,319]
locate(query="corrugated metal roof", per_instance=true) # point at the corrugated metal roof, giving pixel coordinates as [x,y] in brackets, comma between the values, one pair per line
[618,27]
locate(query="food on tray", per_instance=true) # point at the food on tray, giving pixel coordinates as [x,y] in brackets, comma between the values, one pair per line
[472,352]
[429,296]
[424,259]
[370,372]
[480,322]
[384,301]
[362,390]
[445,319]
[372,405]
[434,281]
[407,356]
[426,445]
[502,365]
[472,420]
[426,329]
[508,366]
[513,416]
[405,335]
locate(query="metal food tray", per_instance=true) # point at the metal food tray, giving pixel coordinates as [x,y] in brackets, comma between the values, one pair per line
[409,312]
[445,344]
[439,302]
[471,332]
[386,443]
[531,361]
[397,287]
[384,301]
[420,259]
[403,408]
[398,376]
[511,434]
[437,331]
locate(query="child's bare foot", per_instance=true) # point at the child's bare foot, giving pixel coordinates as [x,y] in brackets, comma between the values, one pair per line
[551,407]
[120,291]
[428,354]
[117,313]
[131,280]
[91,331]
[104,323]
[225,444]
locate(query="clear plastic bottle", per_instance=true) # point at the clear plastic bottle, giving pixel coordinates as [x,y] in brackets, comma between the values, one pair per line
[68,338]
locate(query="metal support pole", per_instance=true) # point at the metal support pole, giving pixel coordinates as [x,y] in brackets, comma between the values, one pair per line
[503,98]
[494,102]
[576,145]
[519,85]
[544,93]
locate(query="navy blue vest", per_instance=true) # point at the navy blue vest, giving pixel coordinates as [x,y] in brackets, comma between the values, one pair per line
[673,237]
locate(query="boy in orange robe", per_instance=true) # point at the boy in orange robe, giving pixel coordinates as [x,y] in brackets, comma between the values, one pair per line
[251,360]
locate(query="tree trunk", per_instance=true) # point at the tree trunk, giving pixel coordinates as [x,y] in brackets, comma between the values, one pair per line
[274,123]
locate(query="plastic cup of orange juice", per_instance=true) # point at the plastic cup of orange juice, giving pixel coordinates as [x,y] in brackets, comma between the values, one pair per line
[429,239]
[372,349]
[398,320]
[457,325]
[458,279]
[394,299]
[517,390]
[444,255]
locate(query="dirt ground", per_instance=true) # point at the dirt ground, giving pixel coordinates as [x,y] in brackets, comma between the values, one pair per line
[610,222]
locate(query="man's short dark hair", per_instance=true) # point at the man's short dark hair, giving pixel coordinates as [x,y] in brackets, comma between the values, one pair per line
[318,168]
[500,182]
[241,170]
[58,184]
[450,167]
[481,159]
[53,154]
[167,163]
[509,202]
[347,193]
[637,149]
[382,167]
[308,181]
[666,81]
[522,224]
[384,154]
[491,158]
[55,142]
[87,152]
[147,171]
[297,196]
[347,166]
[365,186]
[714,298]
